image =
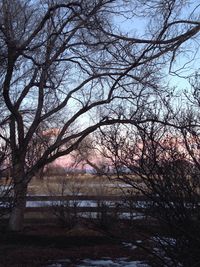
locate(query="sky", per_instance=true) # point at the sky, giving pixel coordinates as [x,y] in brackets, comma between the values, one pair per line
[185,64]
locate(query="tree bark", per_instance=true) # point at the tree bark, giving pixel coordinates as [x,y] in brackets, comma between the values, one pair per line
[17,215]
[20,190]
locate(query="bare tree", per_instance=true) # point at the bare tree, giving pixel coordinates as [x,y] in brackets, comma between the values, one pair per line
[63,60]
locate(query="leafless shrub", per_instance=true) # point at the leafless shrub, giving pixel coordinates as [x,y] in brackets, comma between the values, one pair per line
[108,211]
[6,194]
[65,210]
[166,163]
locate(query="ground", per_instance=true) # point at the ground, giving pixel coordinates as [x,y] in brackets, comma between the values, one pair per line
[38,245]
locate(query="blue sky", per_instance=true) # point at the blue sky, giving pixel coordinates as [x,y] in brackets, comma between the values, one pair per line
[185,64]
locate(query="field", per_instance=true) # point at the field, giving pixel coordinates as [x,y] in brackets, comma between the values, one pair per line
[74,184]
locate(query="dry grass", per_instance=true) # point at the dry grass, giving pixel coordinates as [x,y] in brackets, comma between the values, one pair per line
[85,184]
[74,185]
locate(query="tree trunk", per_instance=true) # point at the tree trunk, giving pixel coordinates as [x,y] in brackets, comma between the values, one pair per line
[20,190]
[17,215]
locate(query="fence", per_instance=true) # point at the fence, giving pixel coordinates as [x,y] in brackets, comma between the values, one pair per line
[38,205]
[83,203]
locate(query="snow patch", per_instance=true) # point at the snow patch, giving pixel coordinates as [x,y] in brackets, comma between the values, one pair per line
[104,262]
[129,245]
[121,262]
